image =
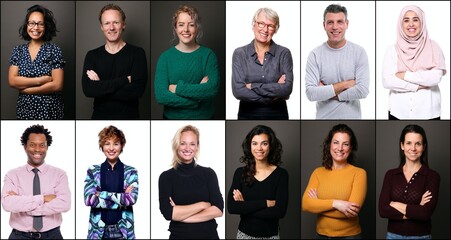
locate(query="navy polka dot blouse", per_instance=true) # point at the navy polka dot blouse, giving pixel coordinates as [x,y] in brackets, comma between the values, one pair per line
[38,106]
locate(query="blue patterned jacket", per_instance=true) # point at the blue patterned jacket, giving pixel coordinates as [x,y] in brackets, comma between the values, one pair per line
[110,200]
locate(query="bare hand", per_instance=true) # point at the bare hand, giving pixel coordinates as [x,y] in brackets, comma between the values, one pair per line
[12,193]
[92,75]
[400,75]
[321,84]
[204,80]
[426,198]
[50,197]
[129,79]
[129,189]
[312,193]
[45,79]
[171,202]
[270,203]
[282,79]
[349,209]
[172,88]
[249,85]
[237,196]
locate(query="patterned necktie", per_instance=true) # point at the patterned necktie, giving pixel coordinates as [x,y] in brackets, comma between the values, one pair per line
[37,220]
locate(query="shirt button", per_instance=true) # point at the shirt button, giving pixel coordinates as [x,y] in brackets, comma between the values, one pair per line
[263,76]
[405,191]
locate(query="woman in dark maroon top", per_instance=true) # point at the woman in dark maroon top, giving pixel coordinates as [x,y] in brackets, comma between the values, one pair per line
[410,192]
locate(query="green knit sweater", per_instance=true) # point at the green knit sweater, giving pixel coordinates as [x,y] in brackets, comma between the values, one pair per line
[192,99]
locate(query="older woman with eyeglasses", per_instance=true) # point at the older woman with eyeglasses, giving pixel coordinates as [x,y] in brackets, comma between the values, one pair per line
[262,74]
[36,68]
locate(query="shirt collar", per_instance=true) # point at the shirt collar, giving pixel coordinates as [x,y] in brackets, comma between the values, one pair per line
[423,170]
[250,49]
[116,166]
[43,168]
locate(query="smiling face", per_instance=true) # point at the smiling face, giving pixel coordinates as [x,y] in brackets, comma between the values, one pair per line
[36,149]
[112,25]
[335,25]
[36,26]
[260,147]
[411,24]
[264,28]
[413,146]
[340,148]
[112,148]
[186,29]
[188,147]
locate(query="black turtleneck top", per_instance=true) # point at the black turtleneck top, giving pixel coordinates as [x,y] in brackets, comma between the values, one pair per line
[188,184]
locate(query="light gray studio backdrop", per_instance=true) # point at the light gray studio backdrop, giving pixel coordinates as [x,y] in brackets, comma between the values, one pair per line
[387,157]
[12,16]
[60,154]
[288,132]
[312,136]
[213,24]
[90,36]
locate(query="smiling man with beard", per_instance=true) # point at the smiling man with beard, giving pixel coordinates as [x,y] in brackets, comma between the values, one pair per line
[36,194]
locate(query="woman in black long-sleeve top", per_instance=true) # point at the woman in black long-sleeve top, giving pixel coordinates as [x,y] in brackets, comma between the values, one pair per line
[189,194]
[259,191]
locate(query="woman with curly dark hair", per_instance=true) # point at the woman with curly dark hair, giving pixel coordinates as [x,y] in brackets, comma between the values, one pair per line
[336,191]
[259,191]
[36,68]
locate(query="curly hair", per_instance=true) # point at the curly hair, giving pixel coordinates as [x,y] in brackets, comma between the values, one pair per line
[339,128]
[176,143]
[38,129]
[111,132]
[274,156]
[412,128]
[194,14]
[49,23]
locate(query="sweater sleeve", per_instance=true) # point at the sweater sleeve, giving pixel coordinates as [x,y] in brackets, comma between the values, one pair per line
[385,210]
[214,191]
[202,91]
[161,87]
[135,89]
[389,70]
[102,87]
[362,80]
[165,191]
[313,90]
[239,89]
[418,212]
[274,89]
[280,209]
[315,205]
[242,207]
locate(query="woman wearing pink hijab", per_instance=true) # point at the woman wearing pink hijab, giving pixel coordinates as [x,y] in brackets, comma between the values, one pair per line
[412,69]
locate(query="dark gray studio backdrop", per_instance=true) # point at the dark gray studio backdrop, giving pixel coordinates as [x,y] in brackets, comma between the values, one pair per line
[312,136]
[288,132]
[12,16]
[213,24]
[90,36]
[387,157]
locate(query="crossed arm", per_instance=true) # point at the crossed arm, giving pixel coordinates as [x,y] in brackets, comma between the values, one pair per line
[36,85]
[36,205]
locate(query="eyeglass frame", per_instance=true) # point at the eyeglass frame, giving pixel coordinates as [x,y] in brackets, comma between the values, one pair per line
[270,26]
[34,24]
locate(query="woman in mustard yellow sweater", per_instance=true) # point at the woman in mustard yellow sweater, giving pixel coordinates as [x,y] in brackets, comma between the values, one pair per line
[336,191]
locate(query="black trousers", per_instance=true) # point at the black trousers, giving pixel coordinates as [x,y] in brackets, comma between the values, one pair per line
[391,117]
[50,234]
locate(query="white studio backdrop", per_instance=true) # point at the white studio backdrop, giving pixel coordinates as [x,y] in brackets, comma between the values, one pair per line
[212,154]
[239,15]
[437,22]
[60,154]
[361,16]
[136,153]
